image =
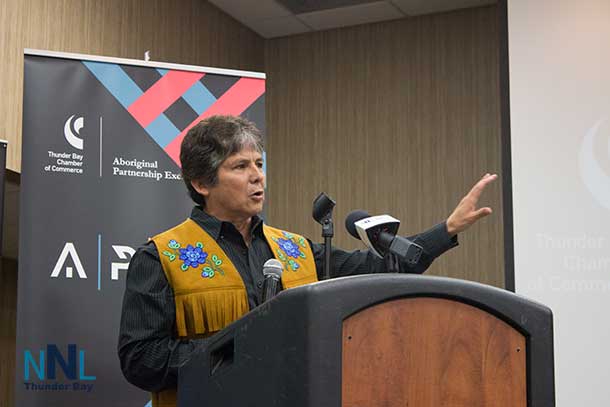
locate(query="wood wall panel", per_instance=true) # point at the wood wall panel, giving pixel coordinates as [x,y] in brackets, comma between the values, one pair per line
[399,117]
[181,31]
[8,320]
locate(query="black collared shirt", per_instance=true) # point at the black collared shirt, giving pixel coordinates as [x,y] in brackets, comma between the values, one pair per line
[149,352]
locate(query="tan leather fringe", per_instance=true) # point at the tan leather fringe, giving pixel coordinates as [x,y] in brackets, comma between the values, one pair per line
[209,311]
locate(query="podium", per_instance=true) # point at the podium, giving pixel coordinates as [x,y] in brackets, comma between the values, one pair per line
[379,341]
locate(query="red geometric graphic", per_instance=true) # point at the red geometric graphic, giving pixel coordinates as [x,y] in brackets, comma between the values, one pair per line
[233,102]
[161,95]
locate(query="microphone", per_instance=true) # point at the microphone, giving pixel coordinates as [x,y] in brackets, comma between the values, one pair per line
[272,270]
[322,212]
[323,206]
[379,234]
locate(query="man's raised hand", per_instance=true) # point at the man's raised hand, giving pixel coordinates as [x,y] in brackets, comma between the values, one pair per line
[466,213]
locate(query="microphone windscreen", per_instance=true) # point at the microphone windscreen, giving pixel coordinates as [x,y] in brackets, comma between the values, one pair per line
[322,206]
[352,218]
[273,267]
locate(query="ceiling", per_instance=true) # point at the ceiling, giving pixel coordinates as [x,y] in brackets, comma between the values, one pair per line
[279,18]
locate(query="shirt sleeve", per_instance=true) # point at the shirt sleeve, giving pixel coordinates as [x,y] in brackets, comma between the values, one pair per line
[150,354]
[435,241]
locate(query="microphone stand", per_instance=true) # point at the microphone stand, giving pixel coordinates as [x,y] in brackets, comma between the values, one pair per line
[323,207]
[391,263]
[327,233]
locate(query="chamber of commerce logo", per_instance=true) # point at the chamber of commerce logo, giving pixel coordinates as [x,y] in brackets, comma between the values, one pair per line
[72,126]
[49,369]
[593,175]
[68,162]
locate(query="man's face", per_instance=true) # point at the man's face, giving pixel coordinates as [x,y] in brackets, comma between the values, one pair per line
[240,191]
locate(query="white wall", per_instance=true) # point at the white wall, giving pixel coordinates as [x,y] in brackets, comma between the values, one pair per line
[559,56]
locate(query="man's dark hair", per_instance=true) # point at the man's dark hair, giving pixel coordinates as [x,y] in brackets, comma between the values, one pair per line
[209,143]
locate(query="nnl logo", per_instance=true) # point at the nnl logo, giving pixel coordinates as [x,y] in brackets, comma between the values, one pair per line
[45,366]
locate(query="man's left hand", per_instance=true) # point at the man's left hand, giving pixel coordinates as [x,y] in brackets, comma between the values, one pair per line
[466,213]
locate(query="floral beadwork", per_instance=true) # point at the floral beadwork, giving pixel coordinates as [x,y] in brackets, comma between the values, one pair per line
[289,248]
[193,257]
[212,268]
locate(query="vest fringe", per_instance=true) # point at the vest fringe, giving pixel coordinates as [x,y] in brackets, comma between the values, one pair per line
[209,311]
[165,398]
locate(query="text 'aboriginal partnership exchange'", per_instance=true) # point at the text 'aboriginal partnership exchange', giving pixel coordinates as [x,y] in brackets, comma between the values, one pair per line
[141,169]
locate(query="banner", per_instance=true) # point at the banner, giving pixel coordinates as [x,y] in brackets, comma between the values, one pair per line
[100,175]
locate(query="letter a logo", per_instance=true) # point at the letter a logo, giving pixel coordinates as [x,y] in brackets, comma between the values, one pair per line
[69,250]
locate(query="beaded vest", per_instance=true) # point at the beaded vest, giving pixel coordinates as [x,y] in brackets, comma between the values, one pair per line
[208,290]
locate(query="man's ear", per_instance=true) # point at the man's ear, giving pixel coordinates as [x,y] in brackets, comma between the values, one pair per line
[199,187]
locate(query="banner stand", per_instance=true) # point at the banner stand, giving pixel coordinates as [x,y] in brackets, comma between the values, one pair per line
[100,175]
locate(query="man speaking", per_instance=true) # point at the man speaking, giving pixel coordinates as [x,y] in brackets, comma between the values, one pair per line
[191,281]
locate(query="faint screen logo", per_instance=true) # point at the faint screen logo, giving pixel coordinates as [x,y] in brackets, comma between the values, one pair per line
[72,129]
[595,178]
